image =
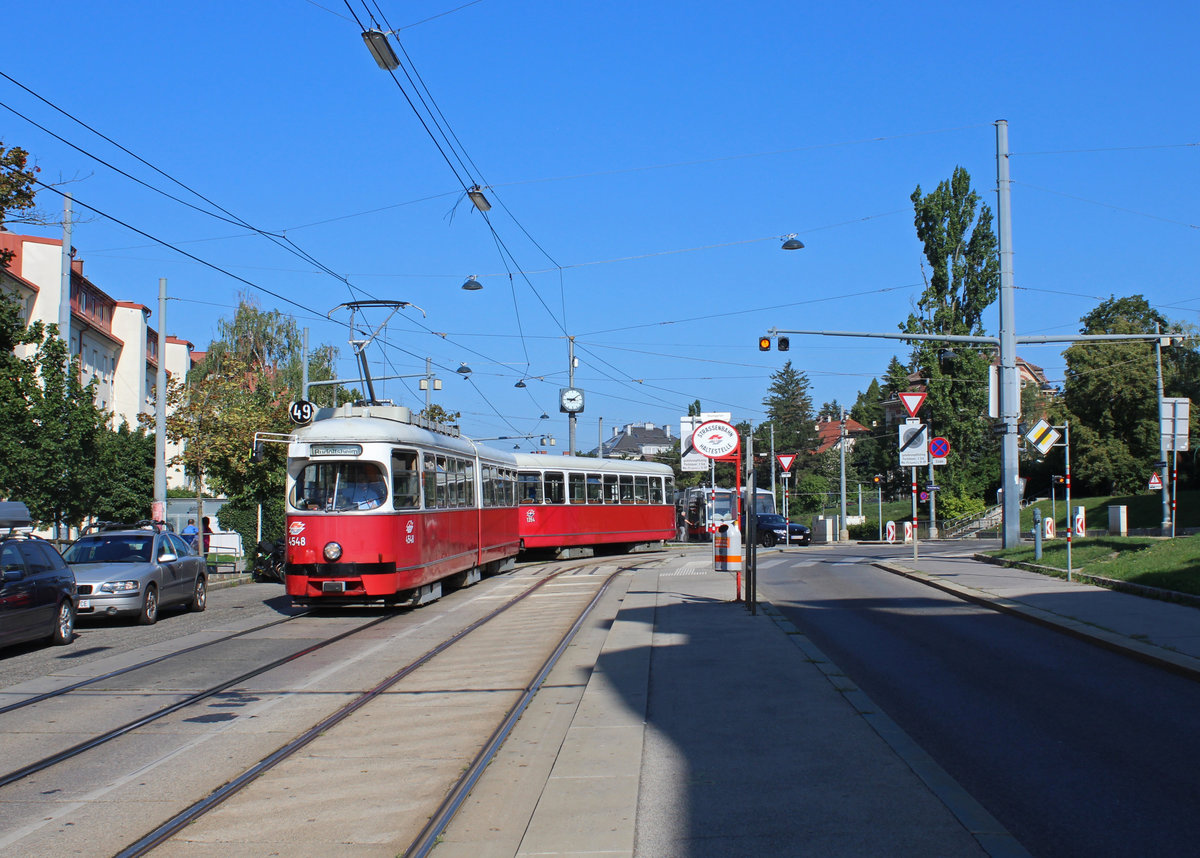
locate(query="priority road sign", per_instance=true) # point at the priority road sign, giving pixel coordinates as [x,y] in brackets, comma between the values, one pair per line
[1043,436]
[914,445]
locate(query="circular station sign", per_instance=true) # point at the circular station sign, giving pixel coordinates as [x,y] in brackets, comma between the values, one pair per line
[715,439]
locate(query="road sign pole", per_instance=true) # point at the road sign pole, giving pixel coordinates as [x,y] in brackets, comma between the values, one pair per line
[933,531]
[1067,460]
[914,508]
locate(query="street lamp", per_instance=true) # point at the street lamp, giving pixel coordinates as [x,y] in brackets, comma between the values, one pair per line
[471,284]
[790,242]
[381,49]
[463,369]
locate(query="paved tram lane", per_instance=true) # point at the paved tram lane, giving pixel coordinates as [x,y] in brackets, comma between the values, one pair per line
[1075,749]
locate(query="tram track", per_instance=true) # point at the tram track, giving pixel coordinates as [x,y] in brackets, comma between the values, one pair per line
[190,700]
[142,665]
[435,817]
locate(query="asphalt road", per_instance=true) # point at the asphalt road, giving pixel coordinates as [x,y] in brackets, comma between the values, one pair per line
[1076,750]
[100,637]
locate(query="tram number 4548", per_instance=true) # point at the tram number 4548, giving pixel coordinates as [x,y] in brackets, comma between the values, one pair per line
[296,540]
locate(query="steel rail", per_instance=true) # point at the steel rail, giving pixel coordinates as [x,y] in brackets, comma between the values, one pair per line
[116,732]
[433,830]
[212,800]
[120,671]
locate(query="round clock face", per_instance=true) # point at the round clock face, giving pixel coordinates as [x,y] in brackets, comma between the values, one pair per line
[571,399]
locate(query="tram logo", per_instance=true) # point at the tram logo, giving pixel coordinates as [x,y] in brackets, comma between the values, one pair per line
[408,528]
[530,516]
[296,528]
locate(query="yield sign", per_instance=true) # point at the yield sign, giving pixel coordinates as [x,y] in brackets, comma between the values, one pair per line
[785,461]
[912,402]
[1155,482]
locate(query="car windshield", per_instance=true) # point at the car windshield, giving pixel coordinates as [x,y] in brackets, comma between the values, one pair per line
[111,548]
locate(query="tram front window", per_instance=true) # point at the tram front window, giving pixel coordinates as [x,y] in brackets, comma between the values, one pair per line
[339,486]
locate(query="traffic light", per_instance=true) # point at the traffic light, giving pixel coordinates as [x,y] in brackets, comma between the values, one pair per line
[1059,481]
[783,343]
[877,479]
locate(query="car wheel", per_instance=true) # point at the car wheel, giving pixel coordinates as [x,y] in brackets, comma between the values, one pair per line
[768,540]
[149,612]
[64,624]
[199,595]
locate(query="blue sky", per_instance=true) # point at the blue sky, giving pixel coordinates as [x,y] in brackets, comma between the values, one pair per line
[643,162]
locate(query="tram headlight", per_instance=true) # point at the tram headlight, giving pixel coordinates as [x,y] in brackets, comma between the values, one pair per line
[333,551]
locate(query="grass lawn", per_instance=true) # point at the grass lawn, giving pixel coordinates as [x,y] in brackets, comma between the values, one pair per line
[1143,510]
[1168,564]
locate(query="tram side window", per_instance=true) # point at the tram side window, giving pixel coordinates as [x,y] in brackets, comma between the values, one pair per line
[406,480]
[458,480]
[656,490]
[529,487]
[491,482]
[612,492]
[443,486]
[669,483]
[626,488]
[508,480]
[595,488]
[641,489]
[430,482]
[469,472]
[555,489]
[578,490]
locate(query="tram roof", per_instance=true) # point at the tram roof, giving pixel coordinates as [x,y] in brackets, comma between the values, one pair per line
[389,424]
[580,464]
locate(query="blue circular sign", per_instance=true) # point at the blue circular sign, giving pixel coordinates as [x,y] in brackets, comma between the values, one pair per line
[939,448]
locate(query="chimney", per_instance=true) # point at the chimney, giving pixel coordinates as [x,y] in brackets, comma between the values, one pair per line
[616,432]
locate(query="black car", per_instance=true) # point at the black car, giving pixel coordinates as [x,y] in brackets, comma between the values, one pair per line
[774,529]
[37,589]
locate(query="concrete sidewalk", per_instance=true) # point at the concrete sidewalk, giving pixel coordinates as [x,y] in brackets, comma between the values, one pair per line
[1155,631]
[705,731]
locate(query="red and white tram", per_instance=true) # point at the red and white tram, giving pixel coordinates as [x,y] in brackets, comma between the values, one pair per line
[569,501]
[385,506]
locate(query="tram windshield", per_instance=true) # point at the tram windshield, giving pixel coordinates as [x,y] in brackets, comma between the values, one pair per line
[339,486]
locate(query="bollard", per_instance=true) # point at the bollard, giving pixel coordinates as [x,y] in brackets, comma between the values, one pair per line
[1037,534]
[727,553]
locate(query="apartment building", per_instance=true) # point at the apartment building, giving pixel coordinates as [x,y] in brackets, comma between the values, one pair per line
[116,346]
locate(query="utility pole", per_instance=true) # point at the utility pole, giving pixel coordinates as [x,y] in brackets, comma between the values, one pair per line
[1010,387]
[843,528]
[1162,439]
[160,408]
[571,384]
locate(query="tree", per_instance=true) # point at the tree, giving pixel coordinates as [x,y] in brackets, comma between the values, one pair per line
[126,463]
[56,471]
[956,233]
[17,181]
[1111,395]
[789,407]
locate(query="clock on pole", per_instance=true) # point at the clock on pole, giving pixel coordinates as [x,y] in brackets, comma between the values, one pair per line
[570,400]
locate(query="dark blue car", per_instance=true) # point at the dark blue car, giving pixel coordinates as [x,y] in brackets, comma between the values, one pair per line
[37,589]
